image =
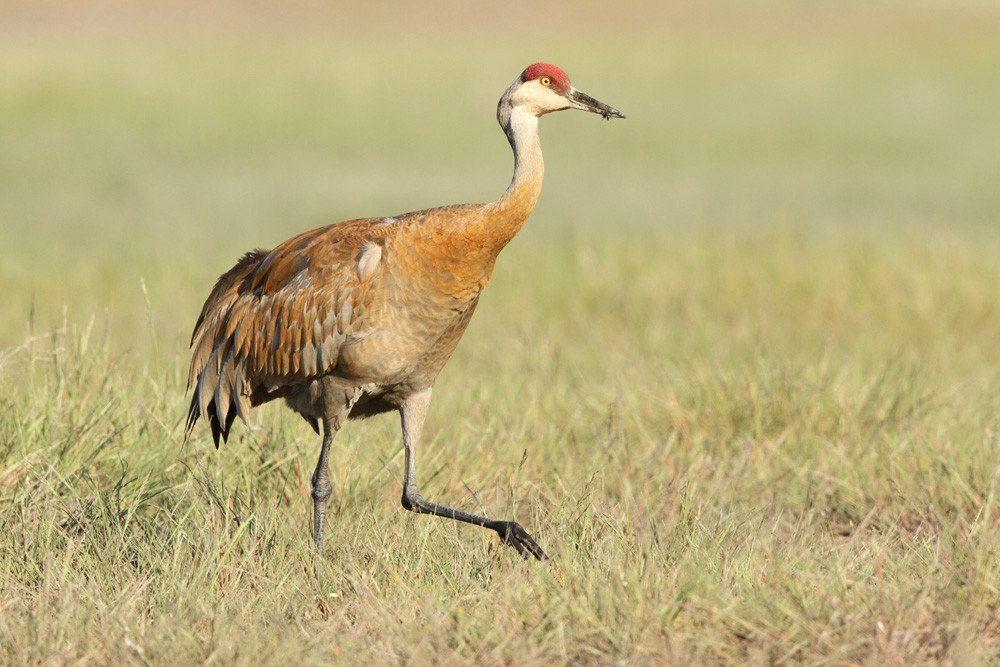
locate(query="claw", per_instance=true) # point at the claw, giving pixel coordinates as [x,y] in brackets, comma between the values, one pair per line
[512,533]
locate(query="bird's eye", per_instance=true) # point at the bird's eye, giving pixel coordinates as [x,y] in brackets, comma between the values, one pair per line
[545,81]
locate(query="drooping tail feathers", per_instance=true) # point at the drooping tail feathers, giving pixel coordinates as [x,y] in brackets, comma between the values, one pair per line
[217,376]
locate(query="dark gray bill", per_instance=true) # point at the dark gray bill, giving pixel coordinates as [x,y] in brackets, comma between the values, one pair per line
[587,103]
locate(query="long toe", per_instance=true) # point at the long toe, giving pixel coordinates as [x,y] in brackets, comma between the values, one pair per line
[515,535]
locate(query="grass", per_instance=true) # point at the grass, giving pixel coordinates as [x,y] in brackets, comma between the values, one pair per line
[738,375]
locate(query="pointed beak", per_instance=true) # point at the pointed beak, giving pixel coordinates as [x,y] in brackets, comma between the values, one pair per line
[585,102]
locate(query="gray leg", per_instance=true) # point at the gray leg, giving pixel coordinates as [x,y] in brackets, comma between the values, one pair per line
[337,404]
[321,488]
[412,413]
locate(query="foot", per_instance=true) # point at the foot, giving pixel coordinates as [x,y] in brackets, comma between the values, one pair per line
[512,533]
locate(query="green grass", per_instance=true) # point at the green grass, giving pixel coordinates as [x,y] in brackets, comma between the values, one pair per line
[738,375]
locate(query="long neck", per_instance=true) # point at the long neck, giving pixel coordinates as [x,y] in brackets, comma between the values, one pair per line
[505,217]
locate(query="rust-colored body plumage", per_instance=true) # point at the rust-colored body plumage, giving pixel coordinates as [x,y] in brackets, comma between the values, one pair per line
[359,317]
[377,302]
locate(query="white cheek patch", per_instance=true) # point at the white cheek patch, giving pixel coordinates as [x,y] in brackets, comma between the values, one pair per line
[539,100]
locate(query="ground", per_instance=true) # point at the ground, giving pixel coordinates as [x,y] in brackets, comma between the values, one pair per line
[738,375]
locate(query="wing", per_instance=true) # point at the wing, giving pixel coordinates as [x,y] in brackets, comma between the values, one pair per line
[279,318]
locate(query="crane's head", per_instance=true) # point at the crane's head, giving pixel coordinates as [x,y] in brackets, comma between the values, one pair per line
[543,88]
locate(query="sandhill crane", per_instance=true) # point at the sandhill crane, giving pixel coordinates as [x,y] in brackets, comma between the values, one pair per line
[358,318]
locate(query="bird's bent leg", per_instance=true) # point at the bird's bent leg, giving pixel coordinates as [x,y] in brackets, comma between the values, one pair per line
[321,487]
[337,404]
[412,415]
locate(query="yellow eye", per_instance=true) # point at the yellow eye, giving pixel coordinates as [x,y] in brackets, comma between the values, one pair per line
[545,81]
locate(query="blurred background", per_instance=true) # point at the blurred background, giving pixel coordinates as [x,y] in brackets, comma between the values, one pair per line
[738,373]
[149,144]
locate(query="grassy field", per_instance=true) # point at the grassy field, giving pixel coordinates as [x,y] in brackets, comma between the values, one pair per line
[739,375]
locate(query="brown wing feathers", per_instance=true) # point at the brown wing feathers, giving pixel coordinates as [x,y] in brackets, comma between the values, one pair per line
[214,354]
[274,318]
